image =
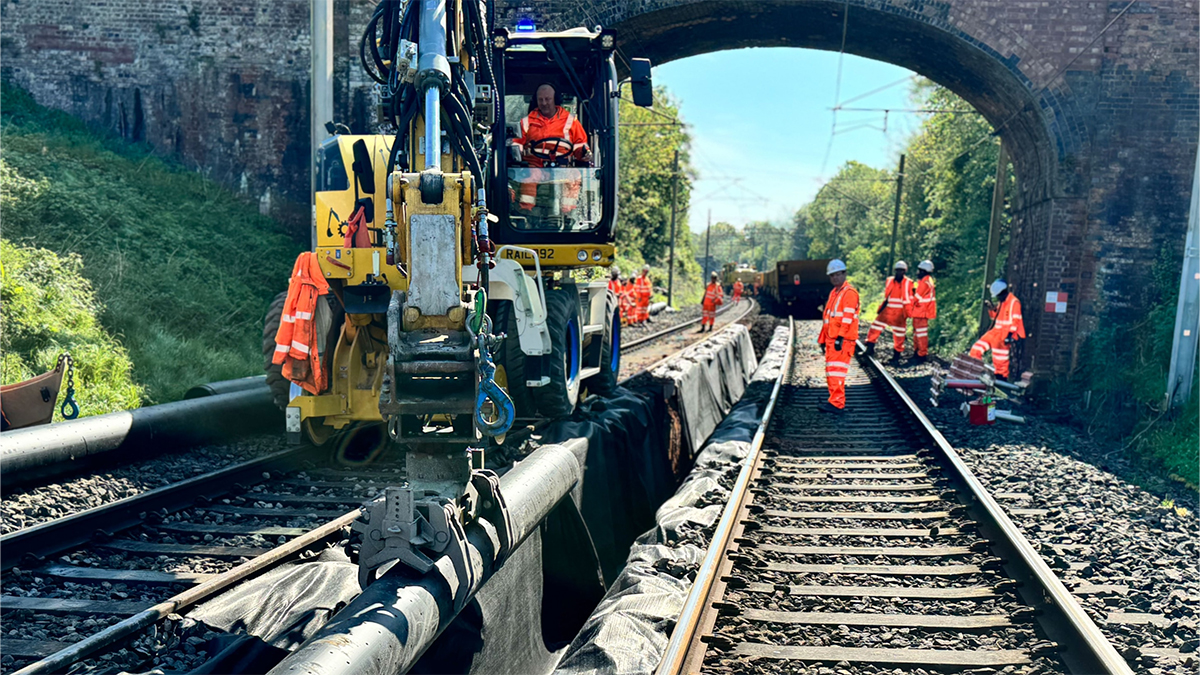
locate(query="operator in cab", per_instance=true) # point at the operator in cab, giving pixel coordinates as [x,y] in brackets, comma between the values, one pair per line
[549,134]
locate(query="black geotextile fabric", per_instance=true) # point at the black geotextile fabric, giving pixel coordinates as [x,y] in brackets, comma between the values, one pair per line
[628,632]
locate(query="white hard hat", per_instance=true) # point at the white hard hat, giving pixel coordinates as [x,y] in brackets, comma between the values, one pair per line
[835,265]
[615,270]
[645,268]
[997,286]
[900,265]
[926,265]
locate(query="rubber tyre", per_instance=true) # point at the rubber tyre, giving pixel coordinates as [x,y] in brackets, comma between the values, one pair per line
[279,385]
[510,356]
[604,383]
[558,398]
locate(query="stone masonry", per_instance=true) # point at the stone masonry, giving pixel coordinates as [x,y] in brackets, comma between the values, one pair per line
[1097,101]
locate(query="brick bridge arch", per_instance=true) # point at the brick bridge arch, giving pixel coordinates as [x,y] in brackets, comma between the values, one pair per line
[1102,134]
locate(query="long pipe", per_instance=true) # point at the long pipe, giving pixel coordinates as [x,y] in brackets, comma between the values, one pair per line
[41,452]
[393,622]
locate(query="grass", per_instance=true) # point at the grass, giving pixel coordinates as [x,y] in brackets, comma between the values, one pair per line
[181,268]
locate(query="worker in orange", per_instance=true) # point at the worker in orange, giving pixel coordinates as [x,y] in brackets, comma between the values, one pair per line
[894,310]
[628,305]
[714,296]
[924,308]
[737,291]
[549,134]
[839,331]
[642,292]
[1008,329]
[296,339]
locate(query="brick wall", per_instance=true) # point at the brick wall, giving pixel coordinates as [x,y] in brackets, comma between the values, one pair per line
[1102,132]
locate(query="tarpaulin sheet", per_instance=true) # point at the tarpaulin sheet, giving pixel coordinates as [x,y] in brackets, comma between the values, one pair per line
[628,632]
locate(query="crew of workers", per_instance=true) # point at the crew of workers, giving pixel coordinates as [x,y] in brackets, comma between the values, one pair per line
[633,296]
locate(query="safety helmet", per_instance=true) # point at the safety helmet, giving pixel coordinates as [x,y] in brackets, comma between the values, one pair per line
[901,265]
[835,265]
[926,265]
[713,275]
[645,268]
[997,286]
[615,271]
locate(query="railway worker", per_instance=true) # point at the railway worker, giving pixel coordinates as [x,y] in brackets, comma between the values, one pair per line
[643,290]
[737,291]
[628,304]
[839,331]
[714,296]
[924,308]
[1008,328]
[894,310]
[549,130]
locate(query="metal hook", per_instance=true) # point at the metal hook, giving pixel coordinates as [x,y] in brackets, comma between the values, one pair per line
[488,389]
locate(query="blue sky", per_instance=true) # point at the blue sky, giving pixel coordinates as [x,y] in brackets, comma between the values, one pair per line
[761,125]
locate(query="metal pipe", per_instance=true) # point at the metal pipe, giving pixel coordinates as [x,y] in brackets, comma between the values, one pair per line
[225,387]
[321,92]
[42,452]
[393,622]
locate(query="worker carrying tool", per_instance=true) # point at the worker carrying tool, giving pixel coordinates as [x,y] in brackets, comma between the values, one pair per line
[1007,331]
[894,310]
[549,134]
[714,296]
[839,331]
[737,291]
[924,308]
[296,339]
[642,291]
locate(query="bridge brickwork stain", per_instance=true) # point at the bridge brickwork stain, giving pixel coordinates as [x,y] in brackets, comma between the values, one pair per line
[1102,130]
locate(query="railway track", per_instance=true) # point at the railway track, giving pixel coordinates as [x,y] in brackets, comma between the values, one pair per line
[115,571]
[862,540]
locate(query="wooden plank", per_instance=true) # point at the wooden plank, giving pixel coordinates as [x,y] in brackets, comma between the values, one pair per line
[878,570]
[906,592]
[933,658]
[847,499]
[274,513]
[785,459]
[860,465]
[138,576]
[1028,512]
[858,531]
[858,515]
[1100,589]
[9,603]
[30,649]
[851,476]
[899,551]
[154,548]
[934,621]
[244,530]
[775,455]
[842,487]
[1013,496]
[1138,619]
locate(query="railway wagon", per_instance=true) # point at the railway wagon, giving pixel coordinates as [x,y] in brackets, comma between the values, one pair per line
[798,287]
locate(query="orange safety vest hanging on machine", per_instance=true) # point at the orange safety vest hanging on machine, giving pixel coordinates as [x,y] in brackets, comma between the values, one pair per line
[296,339]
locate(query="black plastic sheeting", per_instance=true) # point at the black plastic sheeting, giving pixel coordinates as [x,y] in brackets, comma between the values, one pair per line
[629,630]
[526,615]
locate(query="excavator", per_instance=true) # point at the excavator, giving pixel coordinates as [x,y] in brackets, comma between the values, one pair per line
[456,304]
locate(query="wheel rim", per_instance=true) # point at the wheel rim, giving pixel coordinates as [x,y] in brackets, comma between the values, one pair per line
[572,355]
[614,358]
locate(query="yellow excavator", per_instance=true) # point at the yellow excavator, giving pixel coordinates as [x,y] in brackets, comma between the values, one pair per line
[453,311]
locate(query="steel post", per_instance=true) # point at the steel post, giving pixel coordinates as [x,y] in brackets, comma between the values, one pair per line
[1181,374]
[321,91]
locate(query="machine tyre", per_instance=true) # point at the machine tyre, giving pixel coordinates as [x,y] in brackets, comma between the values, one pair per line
[279,385]
[605,382]
[558,398]
[510,356]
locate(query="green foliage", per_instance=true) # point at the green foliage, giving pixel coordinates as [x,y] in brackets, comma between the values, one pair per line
[649,142]
[49,309]
[183,268]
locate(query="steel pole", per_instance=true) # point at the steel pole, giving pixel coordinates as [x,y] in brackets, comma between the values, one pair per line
[993,245]
[1187,314]
[707,239]
[896,210]
[671,265]
[321,93]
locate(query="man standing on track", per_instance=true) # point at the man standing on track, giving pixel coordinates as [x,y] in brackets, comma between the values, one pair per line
[642,293]
[839,331]
[1008,329]
[737,291]
[893,311]
[924,308]
[714,295]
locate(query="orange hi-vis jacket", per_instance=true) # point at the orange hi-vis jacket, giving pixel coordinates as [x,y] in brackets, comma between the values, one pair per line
[296,339]
[614,285]
[535,127]
[713,295]
[1008,317]
[925,304]
[899,295]
[737,289]
[841,315]
[643,291]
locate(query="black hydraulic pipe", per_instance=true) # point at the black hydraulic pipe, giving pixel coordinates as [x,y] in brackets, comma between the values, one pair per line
[387,628]
[226,386]
[34,454]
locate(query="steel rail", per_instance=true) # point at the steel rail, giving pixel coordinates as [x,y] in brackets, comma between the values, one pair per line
[634,344]
[693,608]
[1072,626]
